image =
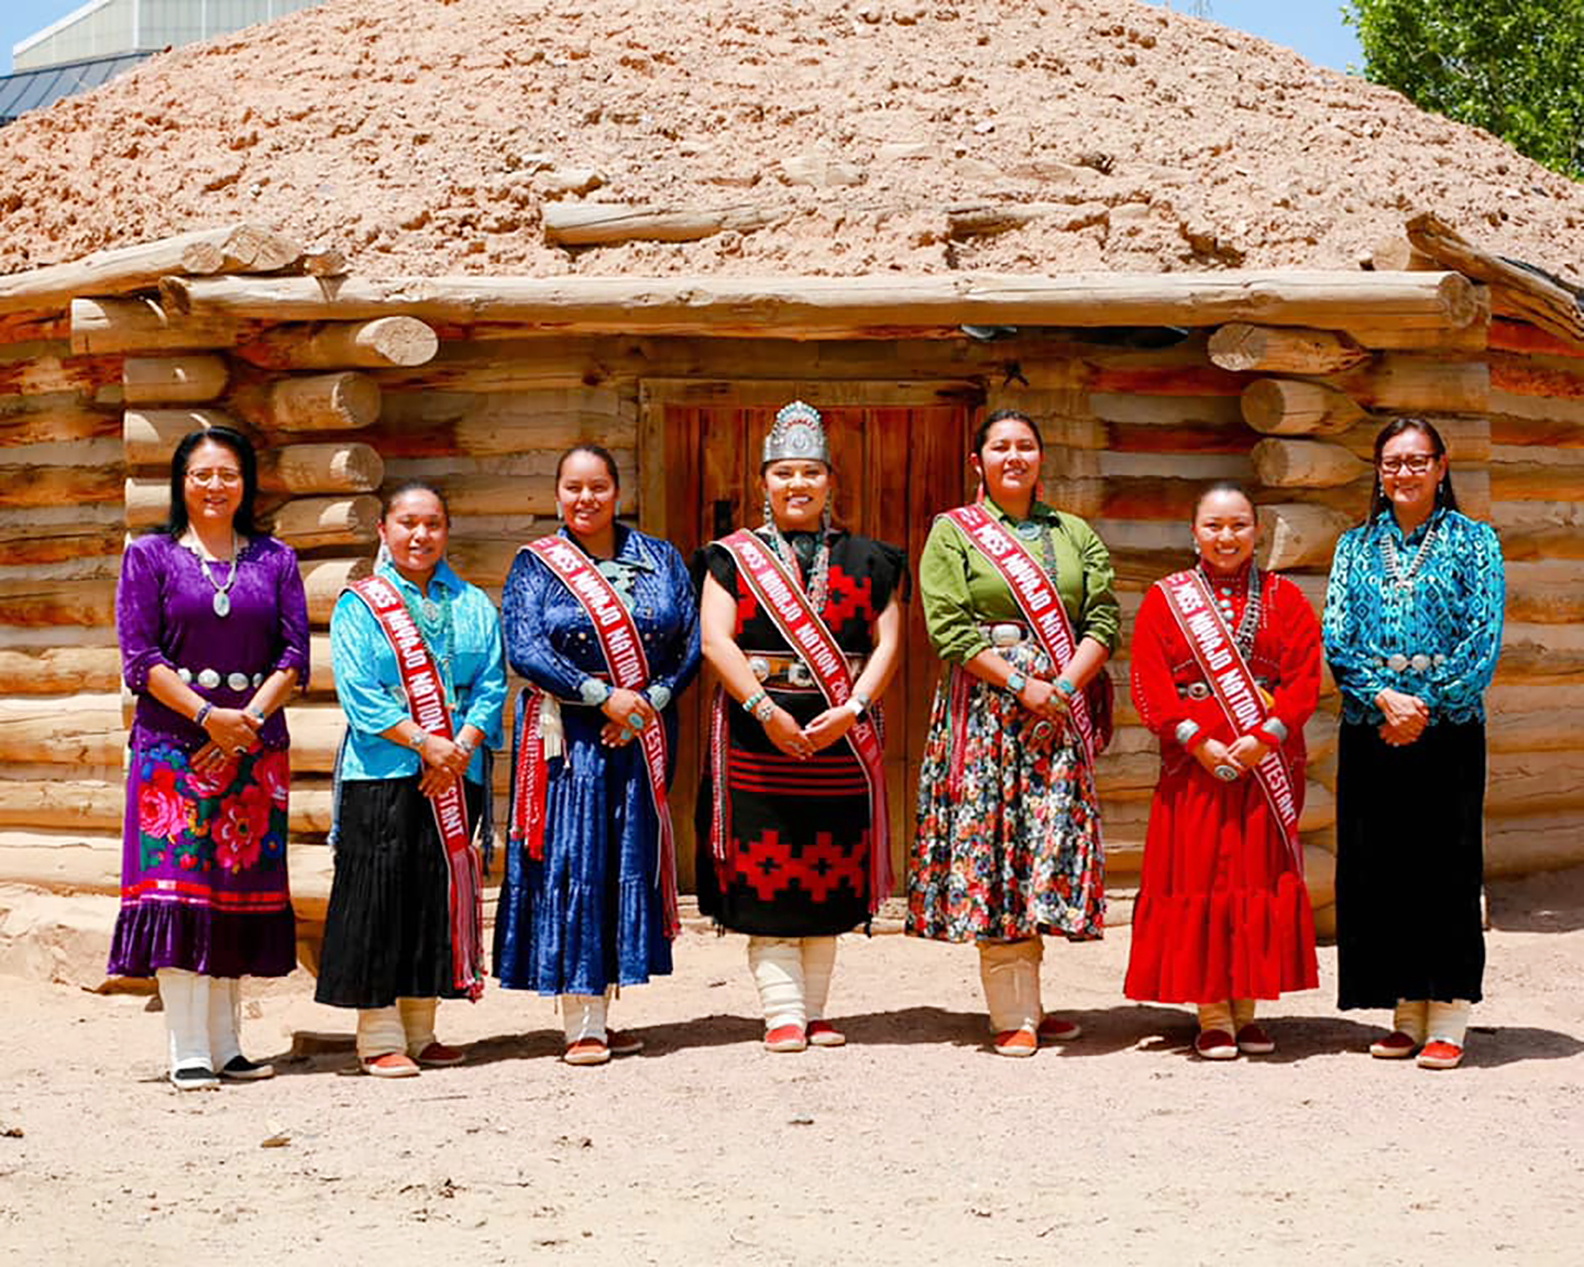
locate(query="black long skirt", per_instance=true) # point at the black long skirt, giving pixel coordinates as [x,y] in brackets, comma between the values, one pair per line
[388,927]
[1410,861]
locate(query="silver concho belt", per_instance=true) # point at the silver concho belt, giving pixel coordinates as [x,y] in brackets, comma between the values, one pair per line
[1419,661]
[209,679]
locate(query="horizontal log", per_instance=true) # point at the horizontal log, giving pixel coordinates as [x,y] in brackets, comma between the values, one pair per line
[59,670]
[1407,382]
[50,369]
[841,307]
[56,534]
[1516,289]
[324,579]
[1550,591]
[1526,844]
[1283,406]
[1395,253]
[983,220]
[173,380]
[335,345]
[1528,375]
[1510,335]
[305,523]
[44,604]
[141,325]
[602,223]
[57,424]
[1319,809]
[1540,529]
[343,467]
[1254,349]
[97,806]
[122,270]
[1536,473]
[75,730]
[1299,535]
[1305,464]
[345,401]
[147,502]
[1528,713]
[1534,783]
[26,485]
[150,436]
[504,495]
[1468,439]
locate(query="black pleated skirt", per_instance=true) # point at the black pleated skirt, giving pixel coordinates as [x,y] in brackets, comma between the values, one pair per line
[1410,862]
[388,927]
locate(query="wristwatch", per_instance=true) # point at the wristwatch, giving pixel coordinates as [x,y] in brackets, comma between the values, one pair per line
[858,704]
[1016,682]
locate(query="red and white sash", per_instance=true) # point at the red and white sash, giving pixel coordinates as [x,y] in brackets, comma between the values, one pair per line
[783,598]
[622,646]
[1036,597]
[426,703]
[1216,651]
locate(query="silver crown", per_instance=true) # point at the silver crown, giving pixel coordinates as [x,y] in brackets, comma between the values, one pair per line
[798,434]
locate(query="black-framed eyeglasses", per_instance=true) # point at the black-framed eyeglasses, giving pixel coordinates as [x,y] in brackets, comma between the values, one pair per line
[1415,463]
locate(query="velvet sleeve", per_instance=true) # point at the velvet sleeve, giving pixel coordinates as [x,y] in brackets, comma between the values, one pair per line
[943,590]
[487,690]
[527,640]
[682,664]
[292,616]
[139,614]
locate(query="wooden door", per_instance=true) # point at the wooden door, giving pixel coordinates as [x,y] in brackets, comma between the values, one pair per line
[897,466]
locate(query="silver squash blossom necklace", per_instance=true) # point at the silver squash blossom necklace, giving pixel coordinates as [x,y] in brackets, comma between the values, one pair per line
[222,596]
[1394,573]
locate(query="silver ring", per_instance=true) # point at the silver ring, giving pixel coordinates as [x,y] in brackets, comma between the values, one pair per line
[1226,773]
[1041,731]
[635,721]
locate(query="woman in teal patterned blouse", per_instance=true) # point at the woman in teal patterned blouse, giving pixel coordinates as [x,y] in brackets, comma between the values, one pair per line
[1413,626]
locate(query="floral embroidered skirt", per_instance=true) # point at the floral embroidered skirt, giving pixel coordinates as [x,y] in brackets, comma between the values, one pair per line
[1008,840]
[203,868]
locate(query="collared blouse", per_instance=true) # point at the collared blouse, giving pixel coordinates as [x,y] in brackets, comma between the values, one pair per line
[551,639]
[962,590]
[1436,638]
[368,680]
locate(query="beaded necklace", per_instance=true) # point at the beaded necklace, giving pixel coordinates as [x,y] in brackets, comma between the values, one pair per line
[433,618]
[1224,589]
[819,568]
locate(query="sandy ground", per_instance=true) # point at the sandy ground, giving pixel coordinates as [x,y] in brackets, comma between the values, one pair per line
[913,1144]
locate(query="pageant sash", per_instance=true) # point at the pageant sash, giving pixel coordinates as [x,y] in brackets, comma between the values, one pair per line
[1230,678]
[1036,597]
[622,646]
[783,598]
[426,702]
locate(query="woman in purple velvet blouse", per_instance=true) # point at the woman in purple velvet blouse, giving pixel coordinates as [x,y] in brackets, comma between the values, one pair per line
[213,624]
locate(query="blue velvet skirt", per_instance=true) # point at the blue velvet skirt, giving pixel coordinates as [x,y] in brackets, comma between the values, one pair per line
[589,915]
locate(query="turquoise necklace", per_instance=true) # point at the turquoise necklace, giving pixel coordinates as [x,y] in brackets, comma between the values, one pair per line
[433,618]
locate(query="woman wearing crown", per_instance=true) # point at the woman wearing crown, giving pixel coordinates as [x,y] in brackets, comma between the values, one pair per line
[803,624]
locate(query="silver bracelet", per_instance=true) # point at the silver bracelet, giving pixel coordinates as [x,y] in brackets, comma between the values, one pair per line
[764,710]
[1186,731]
[594,692]
[659,696]
[1275,728]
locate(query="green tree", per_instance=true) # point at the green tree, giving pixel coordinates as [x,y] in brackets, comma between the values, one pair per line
[1512,67]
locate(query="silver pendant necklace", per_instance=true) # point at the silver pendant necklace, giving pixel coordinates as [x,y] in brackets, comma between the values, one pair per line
[222,597]
[1394,573]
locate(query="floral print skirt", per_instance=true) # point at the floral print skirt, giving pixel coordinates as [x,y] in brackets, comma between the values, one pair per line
[203,868]
[1008,841]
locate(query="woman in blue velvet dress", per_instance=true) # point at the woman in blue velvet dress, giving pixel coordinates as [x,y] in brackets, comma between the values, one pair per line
[590,914]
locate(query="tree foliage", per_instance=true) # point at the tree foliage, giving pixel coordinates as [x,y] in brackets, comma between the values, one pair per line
[1512,67]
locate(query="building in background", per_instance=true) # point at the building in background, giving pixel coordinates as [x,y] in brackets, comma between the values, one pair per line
[105,37]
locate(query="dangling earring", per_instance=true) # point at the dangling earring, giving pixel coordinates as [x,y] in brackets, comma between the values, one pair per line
[560,514]
[616,510]
[769,516]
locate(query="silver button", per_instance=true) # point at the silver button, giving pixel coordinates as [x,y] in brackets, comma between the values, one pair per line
[1198,690]
[208,679]
[1420,662]
[1397,662]
[184,674]
[1005,635]
[237,681]
[760,667]
[798,674]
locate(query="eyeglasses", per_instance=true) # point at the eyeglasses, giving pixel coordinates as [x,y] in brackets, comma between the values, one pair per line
[1416,463]
[224,475]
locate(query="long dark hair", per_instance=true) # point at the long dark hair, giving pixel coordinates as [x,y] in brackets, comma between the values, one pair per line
[1445,498]
[597,450]
[982,431]
[246,523]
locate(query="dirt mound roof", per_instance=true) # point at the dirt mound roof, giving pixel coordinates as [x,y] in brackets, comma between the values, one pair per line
[427,136]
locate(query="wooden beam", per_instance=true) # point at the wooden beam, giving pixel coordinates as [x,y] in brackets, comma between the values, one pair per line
[602,223]
[55,424]
[1297,534]
[1304,464]
[1406,382]
[1518,291]
[831,307]
[342,467]
[1246,348]
[140,324]
[150,436]
[173,380]
[305,523]
[380,343]
[1284,406]
[238,248]
[346,401]
[51,670]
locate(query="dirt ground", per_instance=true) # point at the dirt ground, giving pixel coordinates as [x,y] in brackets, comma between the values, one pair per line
[913,1144]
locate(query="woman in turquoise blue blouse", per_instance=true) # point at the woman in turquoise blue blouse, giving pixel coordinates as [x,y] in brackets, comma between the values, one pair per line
[1413,626]
[387,944]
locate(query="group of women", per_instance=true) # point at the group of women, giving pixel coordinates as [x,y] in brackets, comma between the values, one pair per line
[802,624]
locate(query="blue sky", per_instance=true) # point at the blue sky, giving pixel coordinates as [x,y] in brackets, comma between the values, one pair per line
[1313,27]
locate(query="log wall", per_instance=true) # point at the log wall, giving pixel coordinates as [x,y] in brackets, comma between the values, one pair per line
[96,386]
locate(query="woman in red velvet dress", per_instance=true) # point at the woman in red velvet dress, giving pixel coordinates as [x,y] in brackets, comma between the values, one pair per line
[1223,916]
